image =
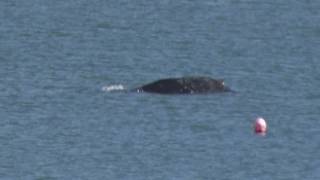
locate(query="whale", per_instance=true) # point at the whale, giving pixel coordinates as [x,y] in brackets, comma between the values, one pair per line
[184,85]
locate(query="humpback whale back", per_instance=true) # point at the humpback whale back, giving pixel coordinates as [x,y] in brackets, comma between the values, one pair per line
[184,85]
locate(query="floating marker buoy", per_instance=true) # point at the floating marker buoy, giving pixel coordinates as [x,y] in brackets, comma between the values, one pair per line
[260,126]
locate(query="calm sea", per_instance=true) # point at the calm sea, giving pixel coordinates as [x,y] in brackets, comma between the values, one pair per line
[60,120]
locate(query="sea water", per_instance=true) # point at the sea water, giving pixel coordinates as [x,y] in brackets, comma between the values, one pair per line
[65,67]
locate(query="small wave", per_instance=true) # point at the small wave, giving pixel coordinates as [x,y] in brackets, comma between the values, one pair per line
[111,88]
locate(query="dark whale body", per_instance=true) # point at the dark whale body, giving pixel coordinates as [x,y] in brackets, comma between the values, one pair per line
[184,85]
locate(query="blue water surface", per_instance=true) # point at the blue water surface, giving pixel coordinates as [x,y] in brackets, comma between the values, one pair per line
[60,120]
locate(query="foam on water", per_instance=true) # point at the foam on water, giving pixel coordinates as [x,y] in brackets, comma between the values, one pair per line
[112,88]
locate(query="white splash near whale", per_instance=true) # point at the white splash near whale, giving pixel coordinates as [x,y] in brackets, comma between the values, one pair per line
[111,88]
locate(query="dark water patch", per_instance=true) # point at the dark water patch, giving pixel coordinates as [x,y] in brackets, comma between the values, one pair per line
[59,34]
[104,25]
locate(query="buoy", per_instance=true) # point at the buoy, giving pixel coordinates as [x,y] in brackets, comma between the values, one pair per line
[260,126]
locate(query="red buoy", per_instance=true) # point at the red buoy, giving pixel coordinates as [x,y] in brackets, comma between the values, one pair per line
[260,125]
